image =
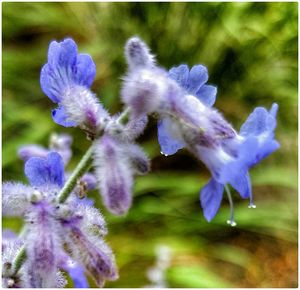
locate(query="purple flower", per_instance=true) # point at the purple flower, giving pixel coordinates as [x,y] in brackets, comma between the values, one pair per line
[66,79]
[254,143]
[193,82]
[47,223]
[188,121]
[44,172]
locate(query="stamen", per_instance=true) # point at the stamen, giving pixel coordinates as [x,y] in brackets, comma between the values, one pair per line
[251,203]
[231,220]
[163,153]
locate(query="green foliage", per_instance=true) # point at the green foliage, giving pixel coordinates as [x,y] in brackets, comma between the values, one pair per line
[251,51]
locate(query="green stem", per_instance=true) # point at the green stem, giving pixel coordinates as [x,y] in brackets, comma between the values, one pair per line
[124,117]
[81,168]
[19,260]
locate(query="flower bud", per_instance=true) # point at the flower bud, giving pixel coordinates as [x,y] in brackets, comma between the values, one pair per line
[143,90]
[114,175]
[137,54]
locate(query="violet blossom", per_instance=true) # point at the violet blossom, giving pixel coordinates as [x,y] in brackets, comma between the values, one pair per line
[182,101]
[50,225]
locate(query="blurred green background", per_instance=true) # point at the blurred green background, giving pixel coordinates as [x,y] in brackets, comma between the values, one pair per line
[251,52]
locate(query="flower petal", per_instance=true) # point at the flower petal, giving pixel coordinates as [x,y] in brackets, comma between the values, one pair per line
[56,75]
[41,171]
[62,53]
[28,151]
[242,184]
[60,117]
[64,69]
[207,95]
[180,74]
[210,198]
[197,78]
[85,70]
[76,272]
[259,122]
[168,144]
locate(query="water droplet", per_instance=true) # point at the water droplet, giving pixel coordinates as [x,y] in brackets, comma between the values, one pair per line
[251,205]
[232,223]
[163,153]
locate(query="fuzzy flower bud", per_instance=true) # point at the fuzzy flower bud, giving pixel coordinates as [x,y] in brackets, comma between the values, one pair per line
[137,54]
[139,161]
[42,243]
[114,175]
[143,90]
[92,253]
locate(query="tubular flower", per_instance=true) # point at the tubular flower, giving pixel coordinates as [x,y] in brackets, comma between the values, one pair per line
[227,154]
[47,224]
[66,79]
[182,102]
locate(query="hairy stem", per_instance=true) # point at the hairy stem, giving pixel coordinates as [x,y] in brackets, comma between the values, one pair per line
[19,260]
[81,168]
[124,117]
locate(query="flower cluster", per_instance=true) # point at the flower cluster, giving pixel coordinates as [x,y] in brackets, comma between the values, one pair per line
[63,230]
[66,80]
[56,236]
[183,103]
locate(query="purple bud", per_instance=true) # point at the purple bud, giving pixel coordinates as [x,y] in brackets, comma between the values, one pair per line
[138,159]
[42,241]
[92,253]
[28,151]
[91,219]
[30,278]
[114,175]
[137,54]
[89,180]
[143,90]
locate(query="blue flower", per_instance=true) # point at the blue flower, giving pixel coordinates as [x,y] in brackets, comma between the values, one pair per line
[191,122]
[66,79]
[194,83]
[46,220]
[45,171]
[256,142]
